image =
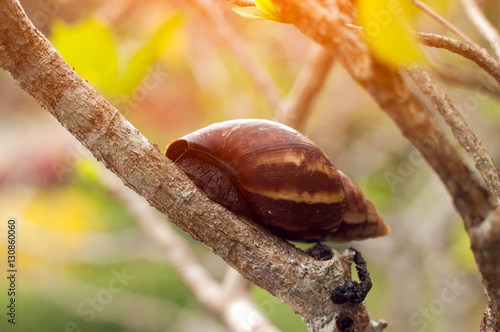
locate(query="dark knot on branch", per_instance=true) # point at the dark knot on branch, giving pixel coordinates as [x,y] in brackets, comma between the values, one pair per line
[353,291]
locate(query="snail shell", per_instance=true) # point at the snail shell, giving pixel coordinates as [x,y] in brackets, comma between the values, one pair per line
[278,178]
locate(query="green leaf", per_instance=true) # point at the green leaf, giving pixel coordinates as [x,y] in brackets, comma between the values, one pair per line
[90,48]
[387,29]
[146,55]
[88,169]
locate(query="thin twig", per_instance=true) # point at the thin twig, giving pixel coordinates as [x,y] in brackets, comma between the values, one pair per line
[444,22]
[378,326]
[241,312]
[463,133]
[482,24]
[479,56]
[297,105]
[473,81]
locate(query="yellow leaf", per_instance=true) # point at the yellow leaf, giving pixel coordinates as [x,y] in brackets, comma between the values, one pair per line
[269,7]
[90,47]
[144,57]
[252,13]
[263,10]
[387,29]
[68,211]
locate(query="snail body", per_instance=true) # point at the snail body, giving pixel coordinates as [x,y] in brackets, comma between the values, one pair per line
[278,178]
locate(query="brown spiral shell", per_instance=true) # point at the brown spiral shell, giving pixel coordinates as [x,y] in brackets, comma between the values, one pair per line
[278,178]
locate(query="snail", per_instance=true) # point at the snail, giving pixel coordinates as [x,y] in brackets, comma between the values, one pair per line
[278,178]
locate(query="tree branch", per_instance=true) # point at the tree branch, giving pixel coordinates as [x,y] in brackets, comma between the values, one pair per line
[482,24]
[468,80]
[296,107]
[441,20]
[273,264]
[470,142]
[479,56]
[485,245]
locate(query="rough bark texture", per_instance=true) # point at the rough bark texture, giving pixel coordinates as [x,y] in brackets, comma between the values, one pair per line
[297,279]
[479,56]
[463,133]
[485,245]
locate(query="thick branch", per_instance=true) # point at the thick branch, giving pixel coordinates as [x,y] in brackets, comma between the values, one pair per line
[297,279]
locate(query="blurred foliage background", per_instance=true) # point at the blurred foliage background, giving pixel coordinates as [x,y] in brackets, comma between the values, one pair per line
[170,72]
